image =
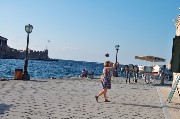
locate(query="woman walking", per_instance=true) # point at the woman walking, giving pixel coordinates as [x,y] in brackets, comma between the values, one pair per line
[106,80]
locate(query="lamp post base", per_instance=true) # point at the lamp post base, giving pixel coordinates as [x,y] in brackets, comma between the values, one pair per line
[25,76]
[115,74]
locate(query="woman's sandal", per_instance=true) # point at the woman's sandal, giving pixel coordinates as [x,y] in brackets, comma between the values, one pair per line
[96,98]
[106,101]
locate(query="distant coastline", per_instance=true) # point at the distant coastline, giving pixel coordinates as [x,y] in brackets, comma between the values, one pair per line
[49,59]
[6,52]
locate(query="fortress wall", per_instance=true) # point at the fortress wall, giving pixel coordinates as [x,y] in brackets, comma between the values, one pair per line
[8,52]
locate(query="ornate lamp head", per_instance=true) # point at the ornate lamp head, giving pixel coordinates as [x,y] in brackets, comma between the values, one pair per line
[28,28]
[117,47]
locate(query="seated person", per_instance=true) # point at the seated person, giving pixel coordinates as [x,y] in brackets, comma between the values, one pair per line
[84,73]
[90,74]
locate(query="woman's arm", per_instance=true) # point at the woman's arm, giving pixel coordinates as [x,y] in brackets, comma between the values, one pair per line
[115,65]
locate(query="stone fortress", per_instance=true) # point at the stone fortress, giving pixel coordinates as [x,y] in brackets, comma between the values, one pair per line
[7,52]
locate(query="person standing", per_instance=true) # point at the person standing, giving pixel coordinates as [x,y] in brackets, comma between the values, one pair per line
[106,80]
[83,73]
[163,74]
[135,72]
[122,71]
[127,73]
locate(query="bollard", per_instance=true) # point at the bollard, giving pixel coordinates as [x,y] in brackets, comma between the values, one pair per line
[18,74]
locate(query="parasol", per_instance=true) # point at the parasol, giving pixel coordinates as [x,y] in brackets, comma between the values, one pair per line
[150,58]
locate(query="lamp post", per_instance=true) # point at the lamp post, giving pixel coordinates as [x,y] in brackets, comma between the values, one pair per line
[25,75]
[115,71]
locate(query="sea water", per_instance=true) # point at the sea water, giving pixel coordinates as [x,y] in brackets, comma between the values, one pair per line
[38,69]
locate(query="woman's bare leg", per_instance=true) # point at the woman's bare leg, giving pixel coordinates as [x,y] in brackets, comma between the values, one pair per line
[100,93]
[105,91]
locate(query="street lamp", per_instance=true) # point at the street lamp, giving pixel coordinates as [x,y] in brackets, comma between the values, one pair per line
[115,71]
[26,76]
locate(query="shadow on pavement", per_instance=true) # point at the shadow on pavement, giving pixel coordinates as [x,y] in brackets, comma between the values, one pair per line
[148,106]
[165,85]
[37,81]
[4,107]
[142,105]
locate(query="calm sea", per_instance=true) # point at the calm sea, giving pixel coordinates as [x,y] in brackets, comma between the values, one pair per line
[47,69]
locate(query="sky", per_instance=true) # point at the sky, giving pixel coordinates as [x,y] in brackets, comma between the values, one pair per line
[85,30]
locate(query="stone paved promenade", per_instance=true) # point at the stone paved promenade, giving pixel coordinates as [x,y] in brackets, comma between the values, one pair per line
[73,98]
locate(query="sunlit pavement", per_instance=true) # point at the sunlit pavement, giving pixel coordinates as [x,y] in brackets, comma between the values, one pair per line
[75,98]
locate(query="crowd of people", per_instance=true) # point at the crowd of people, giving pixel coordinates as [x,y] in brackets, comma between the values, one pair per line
[134,72]
[146,73]
[128,71]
